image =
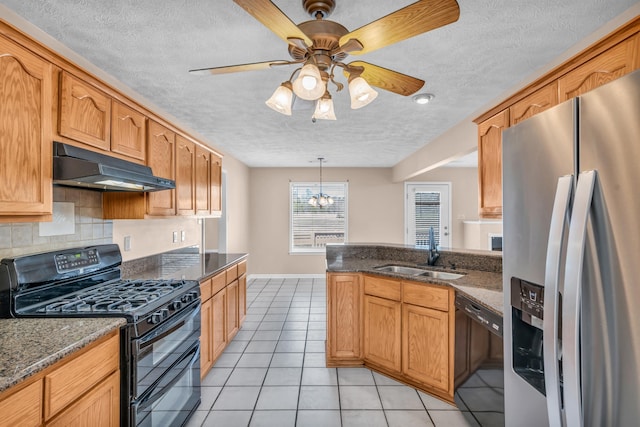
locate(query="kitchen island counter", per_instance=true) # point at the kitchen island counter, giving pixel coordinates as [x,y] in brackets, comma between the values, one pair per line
[28,346]
[482,280]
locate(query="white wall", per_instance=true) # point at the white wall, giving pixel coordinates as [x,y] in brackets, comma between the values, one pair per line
[375,209]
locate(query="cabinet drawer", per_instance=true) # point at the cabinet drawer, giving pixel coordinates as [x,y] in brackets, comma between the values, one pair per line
[426,296]
[218,283]
[383,288]
[232,273]
[242,268]
[205,290]
[23,408]
[76,377]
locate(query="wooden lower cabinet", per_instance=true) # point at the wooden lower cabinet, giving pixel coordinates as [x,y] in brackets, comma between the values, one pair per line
[206,349]
[218,329]
[83,389]
[344,295]
[425,346]
[232,310]
[403,329]
[100,407]
[23,407]
[382,332]
[242,299]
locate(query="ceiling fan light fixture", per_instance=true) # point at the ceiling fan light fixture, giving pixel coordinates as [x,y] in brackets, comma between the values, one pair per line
[324,108]
[281,99]
[309,84]
[360,92]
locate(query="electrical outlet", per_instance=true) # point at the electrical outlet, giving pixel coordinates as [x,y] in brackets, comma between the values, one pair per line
[175,237]
[127,243]
[183,236]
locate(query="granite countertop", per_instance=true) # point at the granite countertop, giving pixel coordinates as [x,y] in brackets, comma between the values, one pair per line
[28,346]
[180,265]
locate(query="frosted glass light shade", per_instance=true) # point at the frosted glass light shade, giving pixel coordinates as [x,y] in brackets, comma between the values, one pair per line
[324,109]
[281,99]
[309,84]
[361,93]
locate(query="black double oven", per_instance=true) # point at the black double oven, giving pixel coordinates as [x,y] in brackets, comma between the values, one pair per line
[160,347]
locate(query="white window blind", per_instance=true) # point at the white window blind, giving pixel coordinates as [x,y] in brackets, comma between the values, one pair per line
[311,228]
[427,214]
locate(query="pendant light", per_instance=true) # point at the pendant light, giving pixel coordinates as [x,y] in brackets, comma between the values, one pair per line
[320,200]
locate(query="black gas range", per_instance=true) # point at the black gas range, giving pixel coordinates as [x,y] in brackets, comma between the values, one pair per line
[160,348]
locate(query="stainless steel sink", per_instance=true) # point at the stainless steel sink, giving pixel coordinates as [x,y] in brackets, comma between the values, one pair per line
[411,271]
[441,275]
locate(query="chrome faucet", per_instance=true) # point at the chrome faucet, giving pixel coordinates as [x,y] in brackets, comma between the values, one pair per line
[433,249]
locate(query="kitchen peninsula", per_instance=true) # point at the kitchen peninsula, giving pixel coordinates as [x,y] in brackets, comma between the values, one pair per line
[406,325]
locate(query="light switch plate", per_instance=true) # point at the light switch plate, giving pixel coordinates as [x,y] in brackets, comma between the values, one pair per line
[175,237]
[183,236]
[127,243]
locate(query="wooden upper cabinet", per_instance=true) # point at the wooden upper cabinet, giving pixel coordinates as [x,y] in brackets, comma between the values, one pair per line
[128,131]
[216,183]
[161,158]
[533,104]
[490,164]
[85,112]
[185,176]
[614,63]
[26,93]
[203,180]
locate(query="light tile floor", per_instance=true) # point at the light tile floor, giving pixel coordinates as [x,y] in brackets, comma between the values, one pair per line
[273,374]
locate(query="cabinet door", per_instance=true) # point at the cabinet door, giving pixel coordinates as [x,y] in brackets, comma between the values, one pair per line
[185,175]
[203,180]
[425,346]
[23,408]
[206,329]
[382,332]
[232,310]
[490,164]
[242,299]
[609,65]
[85,112]
[537,102]
[344,316]
[25,132]
[216,183]
[219,330]
[161,158]
[99,407]
[128,135]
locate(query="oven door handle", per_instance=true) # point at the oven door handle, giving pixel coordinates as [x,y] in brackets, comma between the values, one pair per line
[151,395]
[167,329]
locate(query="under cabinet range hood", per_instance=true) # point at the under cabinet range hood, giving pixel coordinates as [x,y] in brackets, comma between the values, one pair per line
[77,167]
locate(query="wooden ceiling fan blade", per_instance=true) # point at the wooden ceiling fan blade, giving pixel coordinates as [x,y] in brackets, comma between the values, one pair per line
[410,21]
[386,79]
[274,19]
[240,67]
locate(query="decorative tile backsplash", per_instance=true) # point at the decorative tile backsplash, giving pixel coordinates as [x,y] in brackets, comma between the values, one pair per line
[90,229]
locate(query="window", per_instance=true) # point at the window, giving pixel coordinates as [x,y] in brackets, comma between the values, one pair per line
[311,228]
[427,206]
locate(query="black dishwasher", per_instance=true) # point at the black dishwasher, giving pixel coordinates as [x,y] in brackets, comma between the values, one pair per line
[480,314]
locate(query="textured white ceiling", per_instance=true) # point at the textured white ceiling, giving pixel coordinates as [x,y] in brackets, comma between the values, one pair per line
[149,45]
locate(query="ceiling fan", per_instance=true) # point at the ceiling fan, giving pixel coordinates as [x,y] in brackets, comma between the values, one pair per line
[320,45]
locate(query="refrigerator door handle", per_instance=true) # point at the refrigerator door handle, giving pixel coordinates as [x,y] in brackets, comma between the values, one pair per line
[572,298]
[559,220]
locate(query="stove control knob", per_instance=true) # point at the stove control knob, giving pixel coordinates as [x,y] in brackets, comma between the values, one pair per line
[156,318]
[165,313]
[176,305]
[186,298]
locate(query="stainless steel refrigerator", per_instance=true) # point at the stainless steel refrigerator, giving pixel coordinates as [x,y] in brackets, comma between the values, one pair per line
[571,266]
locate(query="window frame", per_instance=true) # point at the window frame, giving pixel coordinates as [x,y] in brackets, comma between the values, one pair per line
[315,250]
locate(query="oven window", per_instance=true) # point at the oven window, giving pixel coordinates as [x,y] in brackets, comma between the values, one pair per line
[174,398]
[153,356]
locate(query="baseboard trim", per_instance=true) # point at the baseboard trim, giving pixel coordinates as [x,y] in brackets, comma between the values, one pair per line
[286,276]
